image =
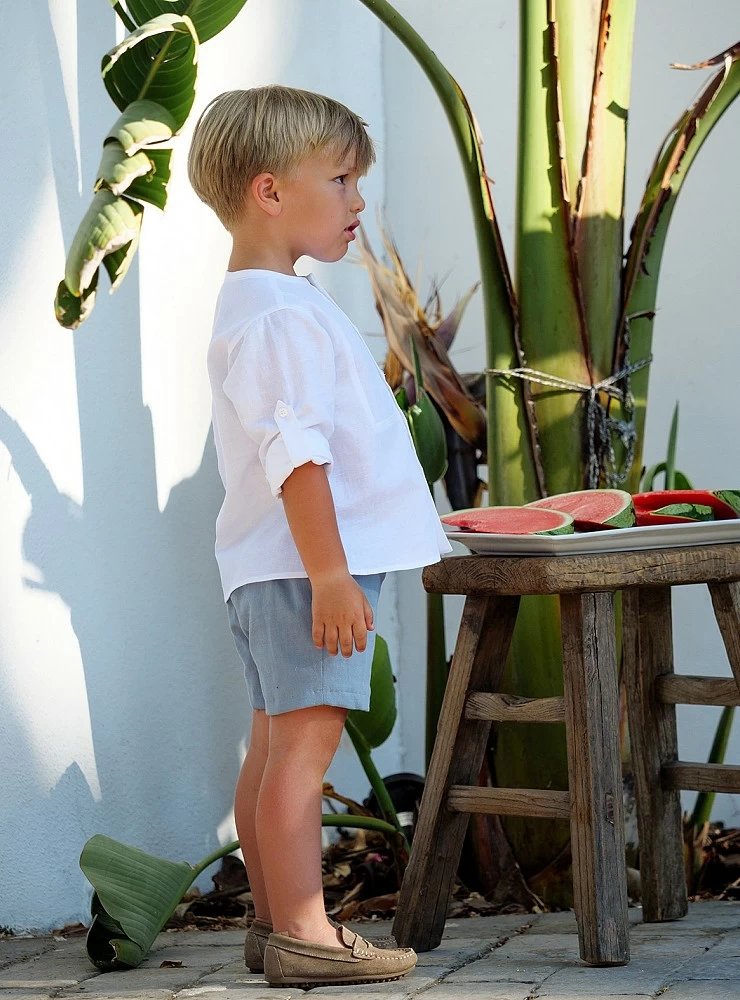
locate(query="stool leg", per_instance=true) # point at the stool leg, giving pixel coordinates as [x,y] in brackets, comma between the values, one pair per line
[595,777]
[726,601]
[477,665]
[647,655]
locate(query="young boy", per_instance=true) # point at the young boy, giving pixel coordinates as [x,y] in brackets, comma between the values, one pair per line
[324,496]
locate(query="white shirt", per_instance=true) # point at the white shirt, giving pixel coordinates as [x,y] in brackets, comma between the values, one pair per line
[294,381]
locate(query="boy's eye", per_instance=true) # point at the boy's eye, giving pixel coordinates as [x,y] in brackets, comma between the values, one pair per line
[340,177]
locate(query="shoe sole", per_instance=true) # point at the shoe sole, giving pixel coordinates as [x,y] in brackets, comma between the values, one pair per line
[336,981]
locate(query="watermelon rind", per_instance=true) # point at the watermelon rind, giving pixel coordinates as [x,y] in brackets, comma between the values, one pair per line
[577,502]
[566,528]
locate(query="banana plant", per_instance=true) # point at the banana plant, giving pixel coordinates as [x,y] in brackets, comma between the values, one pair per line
[569,334]
[135,893]
[150,77]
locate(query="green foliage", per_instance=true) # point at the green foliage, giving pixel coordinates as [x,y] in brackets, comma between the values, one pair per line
[150,77]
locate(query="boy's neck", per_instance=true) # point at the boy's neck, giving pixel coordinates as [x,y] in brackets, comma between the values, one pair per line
[245,257]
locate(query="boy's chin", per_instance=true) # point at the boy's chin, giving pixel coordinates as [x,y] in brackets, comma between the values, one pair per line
[328,256]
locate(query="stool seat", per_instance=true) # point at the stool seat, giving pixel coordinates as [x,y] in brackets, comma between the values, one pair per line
[586,586]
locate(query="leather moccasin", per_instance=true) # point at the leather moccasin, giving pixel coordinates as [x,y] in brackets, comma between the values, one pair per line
[291,961]
[259,931]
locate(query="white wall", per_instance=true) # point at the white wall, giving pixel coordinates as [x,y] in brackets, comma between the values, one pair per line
[696,347]
[123,704]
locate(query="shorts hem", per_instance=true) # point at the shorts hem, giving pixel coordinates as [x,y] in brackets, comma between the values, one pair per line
[337,699]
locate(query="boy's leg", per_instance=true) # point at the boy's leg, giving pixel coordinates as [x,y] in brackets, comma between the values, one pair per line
[245,805]
[288,820]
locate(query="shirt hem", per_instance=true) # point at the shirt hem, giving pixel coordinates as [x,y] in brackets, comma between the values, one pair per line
[298,574]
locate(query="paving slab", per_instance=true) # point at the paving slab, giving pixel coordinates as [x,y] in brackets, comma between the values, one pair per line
[709,966]
[18,949]
[640,977]
[135,983]
[49,971]
[713,989]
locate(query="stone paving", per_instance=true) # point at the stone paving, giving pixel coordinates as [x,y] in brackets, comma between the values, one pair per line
[482,958]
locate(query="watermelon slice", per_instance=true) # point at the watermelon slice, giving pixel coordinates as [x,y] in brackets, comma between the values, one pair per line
[724,503]
[510,521]
[675,513]
[593,510]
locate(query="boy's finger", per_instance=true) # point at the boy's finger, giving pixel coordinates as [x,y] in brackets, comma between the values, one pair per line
[360,635]
[369,619]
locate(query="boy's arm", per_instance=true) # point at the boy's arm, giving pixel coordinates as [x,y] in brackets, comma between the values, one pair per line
[341,614]
[309,508]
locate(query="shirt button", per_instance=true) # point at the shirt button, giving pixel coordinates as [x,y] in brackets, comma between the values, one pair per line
[283,412]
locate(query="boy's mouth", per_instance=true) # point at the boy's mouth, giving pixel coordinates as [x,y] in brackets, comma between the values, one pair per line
[350,229]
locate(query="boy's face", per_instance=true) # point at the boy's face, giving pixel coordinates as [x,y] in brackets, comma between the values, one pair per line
[320,200]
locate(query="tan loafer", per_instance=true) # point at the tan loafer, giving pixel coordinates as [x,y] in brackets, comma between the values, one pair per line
[259,931]
[291,961]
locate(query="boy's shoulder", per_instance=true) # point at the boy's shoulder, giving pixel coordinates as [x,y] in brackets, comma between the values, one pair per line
[248,300]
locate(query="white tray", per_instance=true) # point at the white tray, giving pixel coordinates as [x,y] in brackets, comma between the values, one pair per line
[659,536]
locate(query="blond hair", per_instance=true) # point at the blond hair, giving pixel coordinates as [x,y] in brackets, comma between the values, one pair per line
[243,133]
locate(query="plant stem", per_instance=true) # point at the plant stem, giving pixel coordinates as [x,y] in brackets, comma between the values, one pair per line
[220,853]
[130,25]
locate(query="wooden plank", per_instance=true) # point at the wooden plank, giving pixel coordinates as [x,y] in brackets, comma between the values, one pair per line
[726,602]
[509,801]
[510,708]
[647,658]
[485,575]
[595,777]
[686,689]
[687,775]
[478,662]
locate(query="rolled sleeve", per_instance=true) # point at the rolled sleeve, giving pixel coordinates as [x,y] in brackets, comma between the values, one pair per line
[281,380]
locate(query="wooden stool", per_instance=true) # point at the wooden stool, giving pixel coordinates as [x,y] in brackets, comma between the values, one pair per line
[586,584]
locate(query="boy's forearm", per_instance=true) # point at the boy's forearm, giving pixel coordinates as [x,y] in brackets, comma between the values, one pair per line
[309,508]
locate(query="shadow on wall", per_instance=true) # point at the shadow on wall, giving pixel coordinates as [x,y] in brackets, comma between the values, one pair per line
[166,699]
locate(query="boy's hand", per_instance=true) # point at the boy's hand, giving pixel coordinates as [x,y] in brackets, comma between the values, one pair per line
[341,612]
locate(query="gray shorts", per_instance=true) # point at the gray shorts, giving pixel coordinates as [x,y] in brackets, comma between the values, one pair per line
[284,670]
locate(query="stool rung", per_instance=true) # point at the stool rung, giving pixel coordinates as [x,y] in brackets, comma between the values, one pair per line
[510,708]
[678,689]
[686,775]
[508,801]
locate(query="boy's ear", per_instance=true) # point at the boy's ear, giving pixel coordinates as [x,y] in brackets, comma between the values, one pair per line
[264,191]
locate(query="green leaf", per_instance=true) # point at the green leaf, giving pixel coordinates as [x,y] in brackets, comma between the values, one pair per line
[152,187]
[428,434]
[109,224]
[158,61]
[72,310]
[117,263]
[402,398]
[135,894]
[650,229]
[117,171]
[208,16]
[140,124]
[427,429]
[376,724]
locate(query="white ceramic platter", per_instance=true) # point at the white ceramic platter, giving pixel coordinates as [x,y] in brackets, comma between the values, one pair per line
[659,536]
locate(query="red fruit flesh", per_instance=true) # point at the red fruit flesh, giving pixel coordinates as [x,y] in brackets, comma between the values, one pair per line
[510,521]
[647,502]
